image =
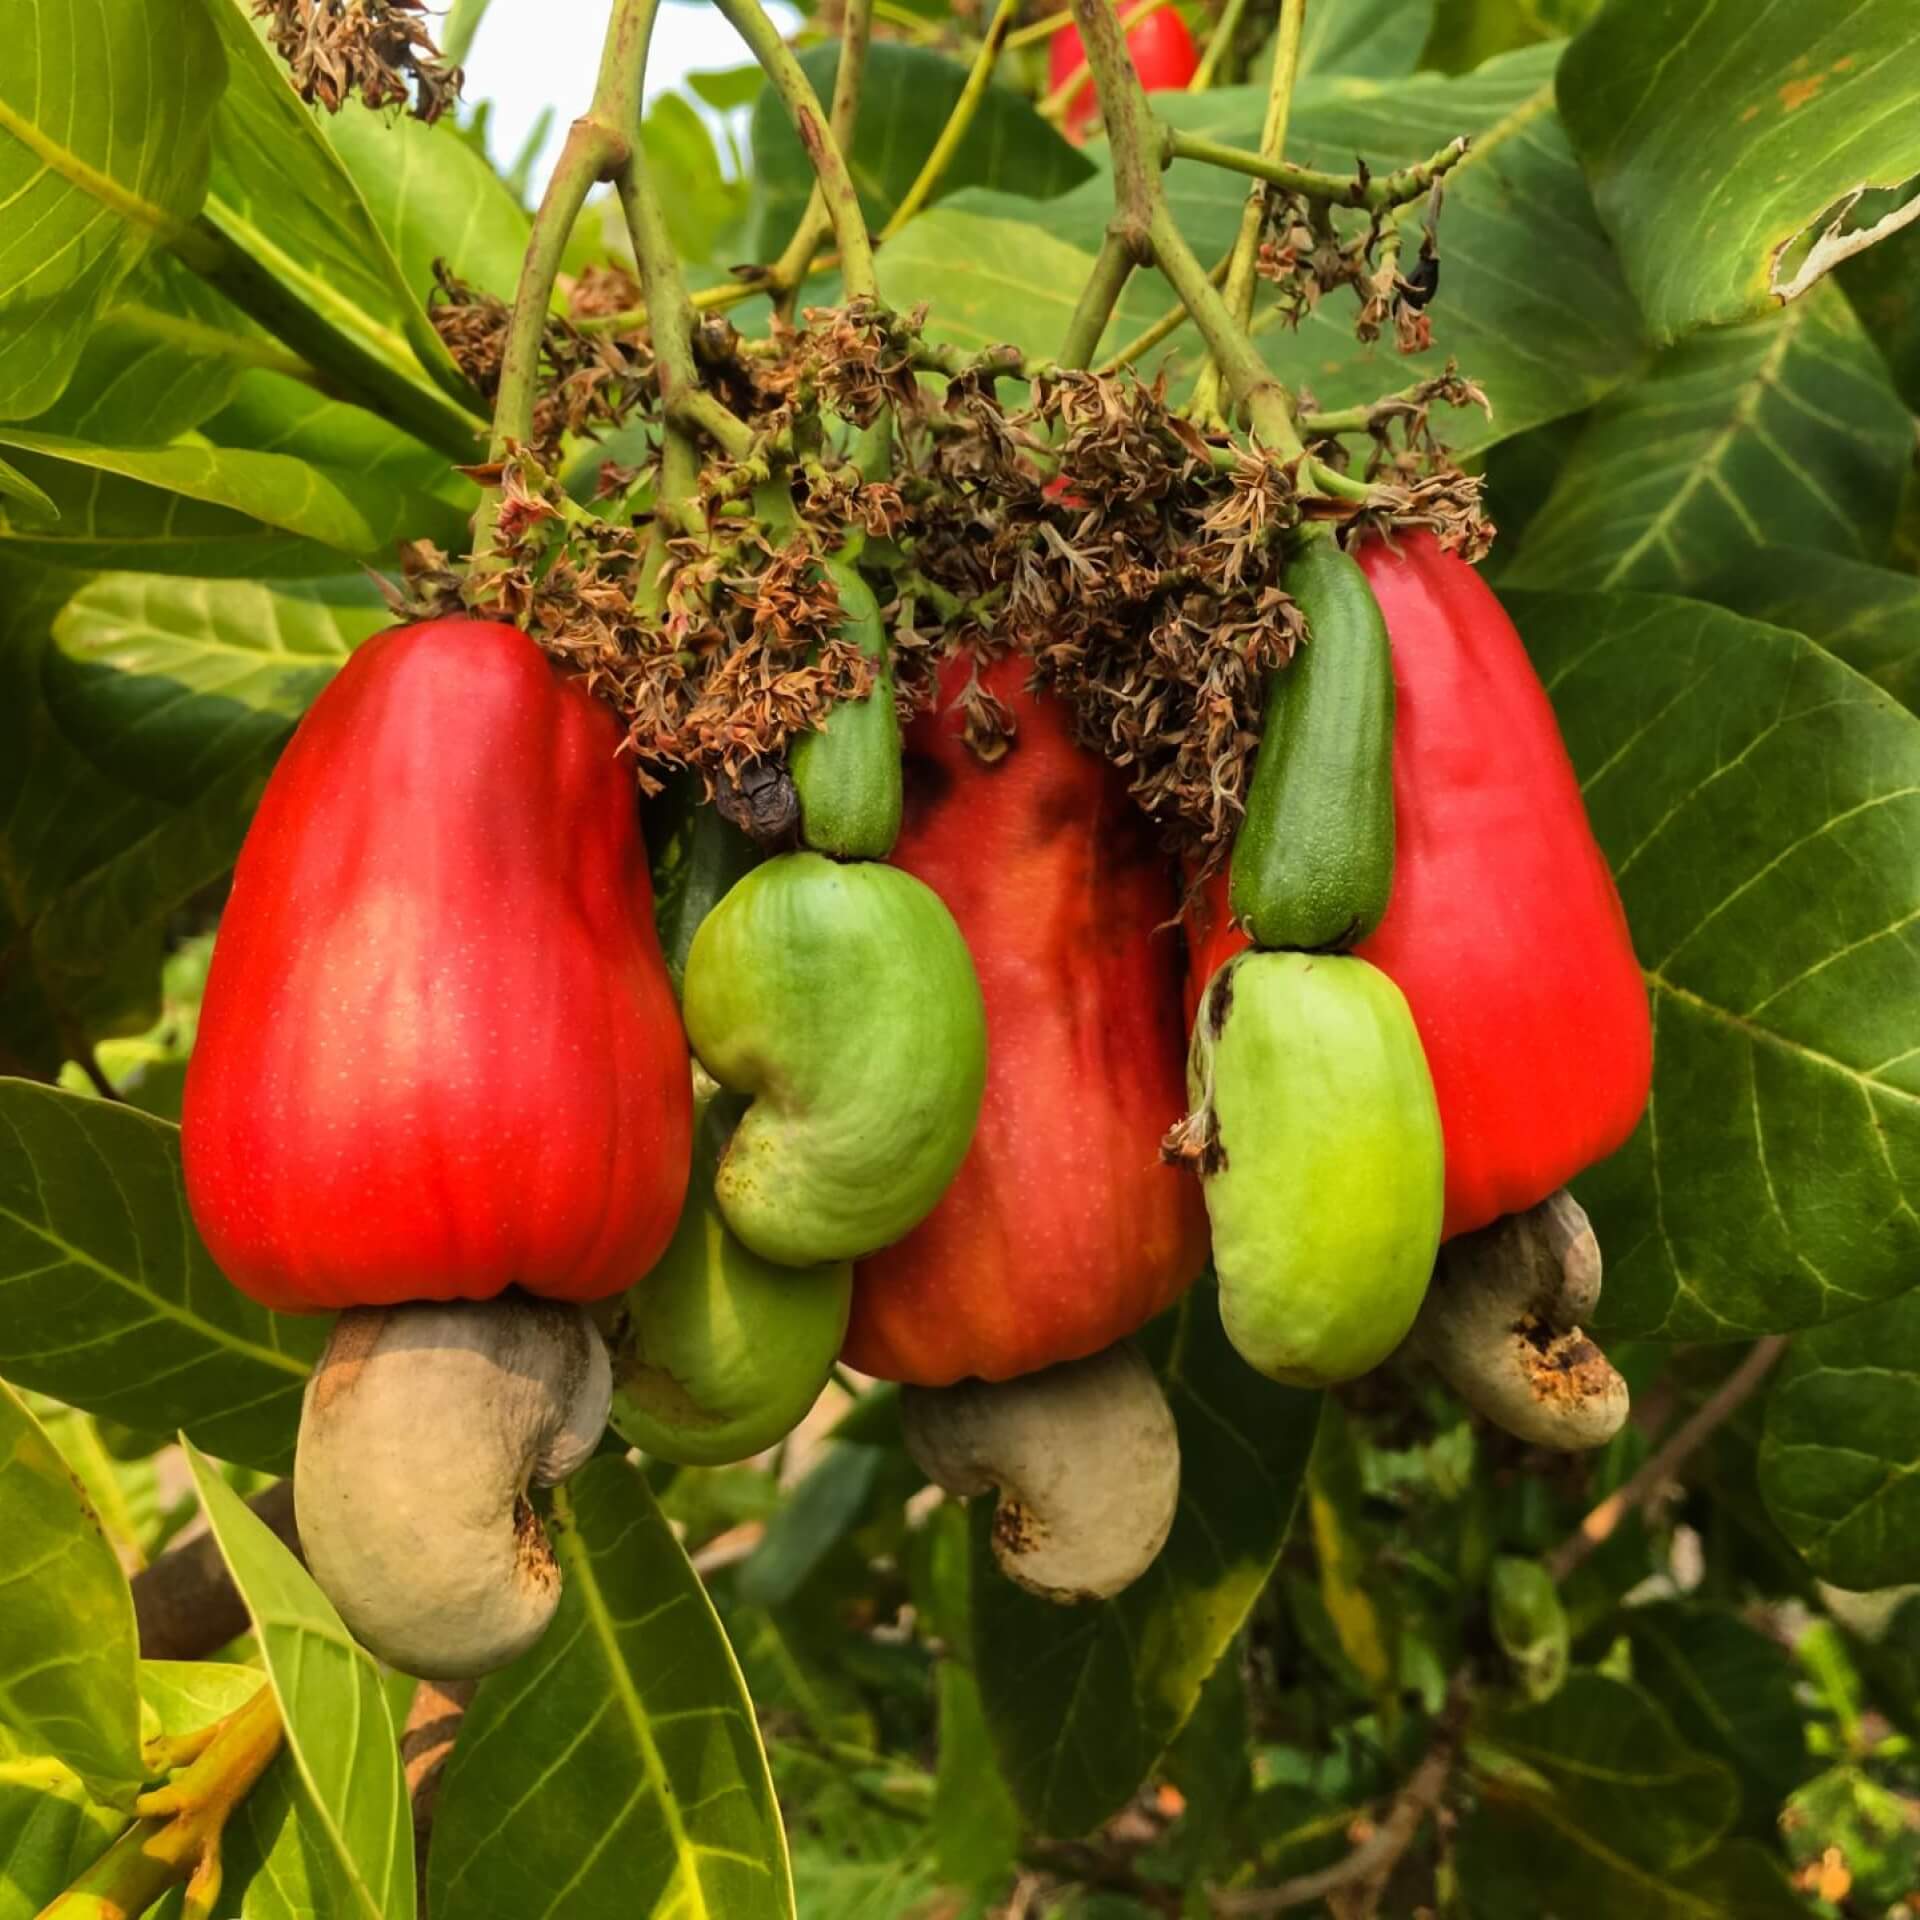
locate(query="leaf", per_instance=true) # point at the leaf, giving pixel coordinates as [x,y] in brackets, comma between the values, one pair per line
[1542,345]
[1367,39]
[1782,433]
[124,1494]
[67,1646]
[1884,286]
[906,96]
[704,209]
[1602,1759]
[170,684]
[1840,1454]
[213,510]
[49,1828]
[1359,1604]
[1082,1701]
[976,1826]
[352,1800]
[630,1724]
[1466,33]
[185,1695]
[308,250]
[103,146]
[1729,1689]
[1727,139]
[1867,616]
[1758,802]
[109,1301]
[433,197]
[820,1512]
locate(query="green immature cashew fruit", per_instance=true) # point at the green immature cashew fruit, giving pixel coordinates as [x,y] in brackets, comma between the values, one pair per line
[1530,1624]
[1313,860]
[842,998]
[1318,1140]
[847,772]
[717,1354]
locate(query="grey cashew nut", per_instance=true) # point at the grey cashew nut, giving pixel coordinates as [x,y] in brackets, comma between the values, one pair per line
[1501,1325]
[1086,1460]
[421,1430]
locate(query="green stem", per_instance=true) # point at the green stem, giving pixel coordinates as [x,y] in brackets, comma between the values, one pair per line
[1167,325]
[1245,259]
[1217,44]
[1374,194]
[958,121]
[597,146]
[788,274]
[1098,298]
[790,82]
[1055,105]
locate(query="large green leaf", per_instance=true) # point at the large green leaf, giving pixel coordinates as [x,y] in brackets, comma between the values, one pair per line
[1884,285]
[1602,1759]
[309,256]
[225,511]
[1730,1690]
[49,1827]
[1868,616]
[906,96]
[103,145]
[1082,1701]
[1760,805]
[109,1301]
[626,1739]
[1366,39]
[67,1647]
[1840,1456]
[351,1802]
[169,684]
[1785,432]
[1542,345]
[1725,137]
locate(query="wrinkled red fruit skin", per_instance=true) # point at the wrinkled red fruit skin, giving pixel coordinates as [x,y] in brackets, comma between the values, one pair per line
[439,1054]
[1505,930]
[1062,1231]
[1163,56]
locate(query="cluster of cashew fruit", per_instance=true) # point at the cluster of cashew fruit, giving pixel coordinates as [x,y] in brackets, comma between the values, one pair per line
[443,1086]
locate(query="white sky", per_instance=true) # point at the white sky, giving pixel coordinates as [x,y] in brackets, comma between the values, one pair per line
[530,54]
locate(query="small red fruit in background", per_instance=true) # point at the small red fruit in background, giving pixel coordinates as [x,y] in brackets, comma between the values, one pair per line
[1163,56]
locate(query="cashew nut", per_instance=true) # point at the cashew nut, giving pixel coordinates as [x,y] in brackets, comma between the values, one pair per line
[1086,1460]
[1501,1325]
[421,1428]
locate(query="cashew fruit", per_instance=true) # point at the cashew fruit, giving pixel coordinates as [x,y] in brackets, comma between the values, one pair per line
[1062,1231]
[1313,860]
[717,1353]
[841,998]
[847,771]
[1530,1624]
[1319,1148]
[1504,929]
[439,1055]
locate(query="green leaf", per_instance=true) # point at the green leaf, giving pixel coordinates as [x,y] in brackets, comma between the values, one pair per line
[630,1724]
[906,96]
[1867,616]
[433,197]
[1602,1759]
[1365,39]
[1783,433]
[49,1828]
[14,485]
[170,684]
[727,89]
[1467,33]
[213,510]
[1884,286]
[185,1695]
[124,1494]
[1727,139]
[1759,804]
[352,1800]
[1359,1604]
[1730,1691]
[1840,1456]
[1082,1701]
[103,146]
[704,209]
[308,255]
[67,1647]
[820,1512]
[109,1301]
[976,1826]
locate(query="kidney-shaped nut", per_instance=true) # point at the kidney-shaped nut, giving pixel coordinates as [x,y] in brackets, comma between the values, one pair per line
[422,1427]
[1084,1455]
[1501,1325]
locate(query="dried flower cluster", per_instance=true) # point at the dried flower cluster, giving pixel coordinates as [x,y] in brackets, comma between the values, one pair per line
[1307,253]
[379,49]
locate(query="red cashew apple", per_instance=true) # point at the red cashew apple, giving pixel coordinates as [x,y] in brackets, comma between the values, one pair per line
[1160,47]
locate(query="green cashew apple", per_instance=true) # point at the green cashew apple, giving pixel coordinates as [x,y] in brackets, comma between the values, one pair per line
[1318,1140]
[718,1354]
[842,999]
